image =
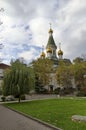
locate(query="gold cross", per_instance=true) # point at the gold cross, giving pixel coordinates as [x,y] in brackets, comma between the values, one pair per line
[50,25]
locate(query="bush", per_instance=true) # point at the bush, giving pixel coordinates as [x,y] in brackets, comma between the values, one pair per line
[0,92]
[81,94]
[56,91]
[67,91]
[41,90]
[3,98]
[22,97]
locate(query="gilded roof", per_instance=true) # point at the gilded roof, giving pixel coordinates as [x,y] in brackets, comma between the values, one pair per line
[60,52]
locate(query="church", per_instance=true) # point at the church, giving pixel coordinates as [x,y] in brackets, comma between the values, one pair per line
[55,56]
[51,49]
[51,53]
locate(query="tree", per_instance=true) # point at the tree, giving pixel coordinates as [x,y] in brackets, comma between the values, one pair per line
[42,70]
[79,71]
[64,76]
[78,60]
[17,80]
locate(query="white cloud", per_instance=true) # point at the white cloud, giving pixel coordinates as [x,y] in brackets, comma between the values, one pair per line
[29,55]
[68,20]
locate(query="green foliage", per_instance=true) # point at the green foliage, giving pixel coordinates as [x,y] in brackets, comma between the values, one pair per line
[22,97]
[81,94]
[3,98]
[79,70]
[78,60]
[57,91]
[64,75]
[42,70]
[17,79]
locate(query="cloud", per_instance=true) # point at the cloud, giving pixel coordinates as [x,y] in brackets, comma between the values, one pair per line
[29,55]
[26,24]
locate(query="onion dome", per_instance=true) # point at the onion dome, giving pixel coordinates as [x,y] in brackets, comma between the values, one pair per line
[50,30]
[60,52]
[49,50]
[42,54]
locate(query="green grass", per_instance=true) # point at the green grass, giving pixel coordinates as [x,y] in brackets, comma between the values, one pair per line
[55,111]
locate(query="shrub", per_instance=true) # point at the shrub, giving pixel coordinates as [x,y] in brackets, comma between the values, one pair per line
[56,91]
[81,94]
[3,98]
[22,97]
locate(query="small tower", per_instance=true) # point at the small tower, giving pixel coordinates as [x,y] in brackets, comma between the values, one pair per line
[60,52]
[42,53]
[51,46]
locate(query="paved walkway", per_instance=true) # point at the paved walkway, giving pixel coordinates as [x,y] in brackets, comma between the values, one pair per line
[10,120]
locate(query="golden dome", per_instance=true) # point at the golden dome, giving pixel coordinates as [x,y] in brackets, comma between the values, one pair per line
[60,52]
[42,54]
[50,30]
[49,50]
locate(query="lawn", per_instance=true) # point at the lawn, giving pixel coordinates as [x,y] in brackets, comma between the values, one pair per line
[55,111]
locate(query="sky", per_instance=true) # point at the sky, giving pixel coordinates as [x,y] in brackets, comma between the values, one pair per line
[26,24]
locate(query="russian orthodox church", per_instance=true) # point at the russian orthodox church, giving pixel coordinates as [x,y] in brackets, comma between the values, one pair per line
[51,53]
[51,50]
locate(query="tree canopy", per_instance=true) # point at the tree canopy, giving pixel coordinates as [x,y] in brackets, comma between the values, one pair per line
[42,70]
[17,79]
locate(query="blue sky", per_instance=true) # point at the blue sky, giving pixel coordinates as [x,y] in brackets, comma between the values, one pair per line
[26,24]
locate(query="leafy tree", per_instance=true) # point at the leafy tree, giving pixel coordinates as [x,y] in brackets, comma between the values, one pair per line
[64,75]
[78,60]
[17,79]
[79,71]
[42,69]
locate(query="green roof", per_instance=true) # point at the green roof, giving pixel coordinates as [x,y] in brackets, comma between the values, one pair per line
[51,42]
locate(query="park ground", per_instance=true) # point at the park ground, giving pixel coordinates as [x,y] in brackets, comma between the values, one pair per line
[57,111]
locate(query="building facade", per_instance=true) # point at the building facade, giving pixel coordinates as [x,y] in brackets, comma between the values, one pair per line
[55,56]
[51,53]
[3,67]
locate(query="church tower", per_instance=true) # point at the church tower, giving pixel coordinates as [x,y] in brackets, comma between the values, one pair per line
[51,47]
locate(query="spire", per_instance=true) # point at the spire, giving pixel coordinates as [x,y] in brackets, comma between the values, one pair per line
[50,30]
[51,42]
[51,46]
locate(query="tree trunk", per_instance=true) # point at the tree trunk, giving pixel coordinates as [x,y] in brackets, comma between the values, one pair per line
[19,98]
